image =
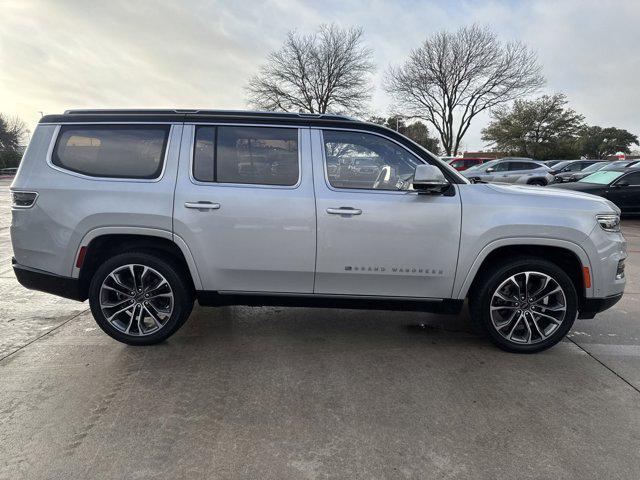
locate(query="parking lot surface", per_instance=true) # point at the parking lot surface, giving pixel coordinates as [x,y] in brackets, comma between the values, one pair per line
[279,393]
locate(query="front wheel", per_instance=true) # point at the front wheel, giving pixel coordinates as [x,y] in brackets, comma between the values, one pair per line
[139,298]
[538,183]
[525,305]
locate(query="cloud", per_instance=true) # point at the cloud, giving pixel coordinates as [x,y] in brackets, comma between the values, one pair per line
[71,53]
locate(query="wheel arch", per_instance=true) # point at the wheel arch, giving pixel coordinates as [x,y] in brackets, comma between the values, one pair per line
[101,243]
[568,255]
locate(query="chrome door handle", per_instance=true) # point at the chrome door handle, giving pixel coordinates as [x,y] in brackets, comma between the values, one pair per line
[344,211]
[202,205]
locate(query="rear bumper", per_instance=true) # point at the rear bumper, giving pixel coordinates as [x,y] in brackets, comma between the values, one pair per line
[591,306]
[35,279]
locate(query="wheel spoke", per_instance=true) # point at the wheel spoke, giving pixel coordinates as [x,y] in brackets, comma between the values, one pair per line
[133,276]
[140,331]
[116,304]
[122,288]
[142,275]
[549,317]
[538,329]
[131,317]
[119,311]
[507,322]
[154,316]
[513,329]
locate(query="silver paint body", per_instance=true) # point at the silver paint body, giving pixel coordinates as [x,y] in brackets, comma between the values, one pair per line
[297,240]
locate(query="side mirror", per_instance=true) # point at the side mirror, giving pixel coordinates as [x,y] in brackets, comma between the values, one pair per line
[429,179]
[490,169]
[621,183]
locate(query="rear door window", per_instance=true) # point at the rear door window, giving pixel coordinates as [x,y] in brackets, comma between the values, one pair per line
[516,166]
[115,151]
[246,155]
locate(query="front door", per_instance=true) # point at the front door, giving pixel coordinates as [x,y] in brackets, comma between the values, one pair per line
[625,192]
[244,206]
[374,238]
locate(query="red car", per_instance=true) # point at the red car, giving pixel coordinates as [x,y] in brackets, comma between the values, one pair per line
[461,164]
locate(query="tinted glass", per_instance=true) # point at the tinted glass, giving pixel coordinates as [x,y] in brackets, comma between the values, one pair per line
[501,166]
[573,167]
[361,160]
[631,179]
[523,166]
[594,167]
[204,154]
[257,155]
[120,151]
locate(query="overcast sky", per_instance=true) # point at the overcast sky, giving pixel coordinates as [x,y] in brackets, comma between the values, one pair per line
[65,54]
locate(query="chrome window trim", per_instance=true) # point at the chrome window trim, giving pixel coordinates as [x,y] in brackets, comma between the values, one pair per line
[192,139]
[362,190]
[54,139]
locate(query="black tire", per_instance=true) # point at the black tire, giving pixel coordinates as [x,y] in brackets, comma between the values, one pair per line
[488,283]
[538,183]
[174,275]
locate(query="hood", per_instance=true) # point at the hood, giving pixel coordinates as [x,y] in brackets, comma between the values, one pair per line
[581,187]
[557,195]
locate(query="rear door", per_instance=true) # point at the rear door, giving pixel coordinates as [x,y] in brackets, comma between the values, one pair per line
[244,205]
[519,168]
[374,239]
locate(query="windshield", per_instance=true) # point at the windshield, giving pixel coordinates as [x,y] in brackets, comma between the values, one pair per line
[594,168]
[613,165]
[560,165]
[602,177]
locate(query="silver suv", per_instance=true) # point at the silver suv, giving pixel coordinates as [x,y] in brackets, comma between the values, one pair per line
[511,170]
[142,212]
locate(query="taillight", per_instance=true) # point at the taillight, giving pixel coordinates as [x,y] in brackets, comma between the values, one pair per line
[23,199]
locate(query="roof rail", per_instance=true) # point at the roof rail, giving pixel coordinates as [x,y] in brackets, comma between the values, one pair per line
[158,111]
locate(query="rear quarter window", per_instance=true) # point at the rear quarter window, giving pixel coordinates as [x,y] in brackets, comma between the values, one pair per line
[115,151]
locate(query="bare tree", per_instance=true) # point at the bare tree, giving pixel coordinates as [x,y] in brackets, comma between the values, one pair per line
[454,76]
[13,132]
[326,71]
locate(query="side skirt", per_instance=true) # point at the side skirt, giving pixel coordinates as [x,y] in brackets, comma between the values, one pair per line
[211,298]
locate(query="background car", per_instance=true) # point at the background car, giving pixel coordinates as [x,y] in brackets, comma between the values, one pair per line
[461,164]
[564,170]
[8,171]
[511,170]
[551,163]
[621,186]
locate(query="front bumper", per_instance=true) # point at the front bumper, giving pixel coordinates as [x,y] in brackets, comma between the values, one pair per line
[35,279]
[589,307]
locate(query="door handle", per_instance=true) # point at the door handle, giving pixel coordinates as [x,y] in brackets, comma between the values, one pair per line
[347,211]
[202,205]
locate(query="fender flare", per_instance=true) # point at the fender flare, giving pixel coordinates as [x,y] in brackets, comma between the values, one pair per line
[463,289]
[143,231]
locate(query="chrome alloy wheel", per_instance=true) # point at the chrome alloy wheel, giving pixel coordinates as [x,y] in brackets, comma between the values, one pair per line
[528,307]
[136,299]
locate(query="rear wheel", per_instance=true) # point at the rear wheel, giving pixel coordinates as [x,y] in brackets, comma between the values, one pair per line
[139,298]
[525,305]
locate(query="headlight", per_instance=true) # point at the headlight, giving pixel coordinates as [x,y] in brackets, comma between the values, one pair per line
[610,222]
